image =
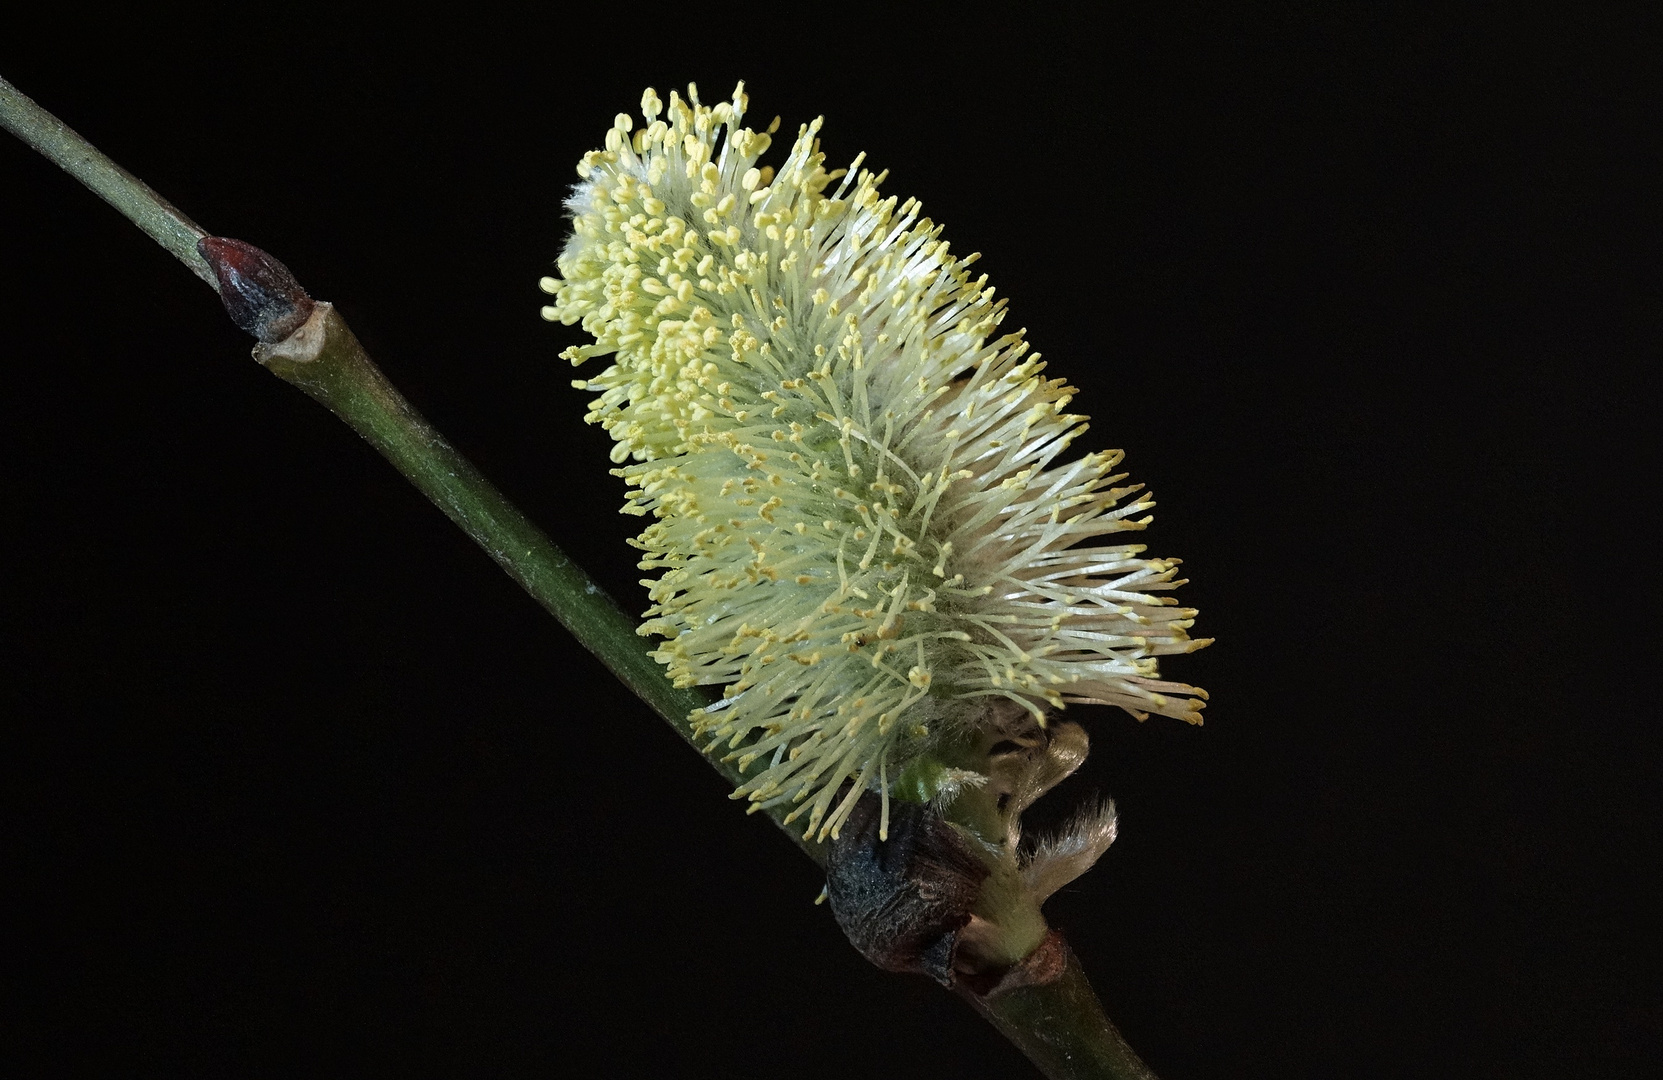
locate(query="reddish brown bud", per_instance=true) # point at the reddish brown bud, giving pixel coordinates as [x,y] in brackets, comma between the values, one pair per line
[258,292]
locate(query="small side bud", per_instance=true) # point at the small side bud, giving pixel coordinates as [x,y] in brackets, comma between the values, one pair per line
[258,292]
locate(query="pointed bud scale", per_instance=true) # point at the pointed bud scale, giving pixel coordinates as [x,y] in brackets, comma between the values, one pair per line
[258,292]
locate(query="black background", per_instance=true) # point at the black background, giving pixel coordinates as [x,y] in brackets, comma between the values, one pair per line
[297,782]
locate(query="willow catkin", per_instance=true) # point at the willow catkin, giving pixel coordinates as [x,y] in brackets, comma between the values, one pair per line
[858,519]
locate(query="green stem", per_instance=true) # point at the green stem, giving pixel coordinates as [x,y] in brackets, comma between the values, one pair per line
[324,359]
[1060,1026]
[59,143]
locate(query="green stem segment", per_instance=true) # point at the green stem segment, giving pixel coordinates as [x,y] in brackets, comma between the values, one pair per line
[1060,1026]
[324,359]
[59,143]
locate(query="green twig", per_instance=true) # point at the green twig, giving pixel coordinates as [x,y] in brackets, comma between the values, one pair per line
[1060,1026]
[325,359]
[60,144]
